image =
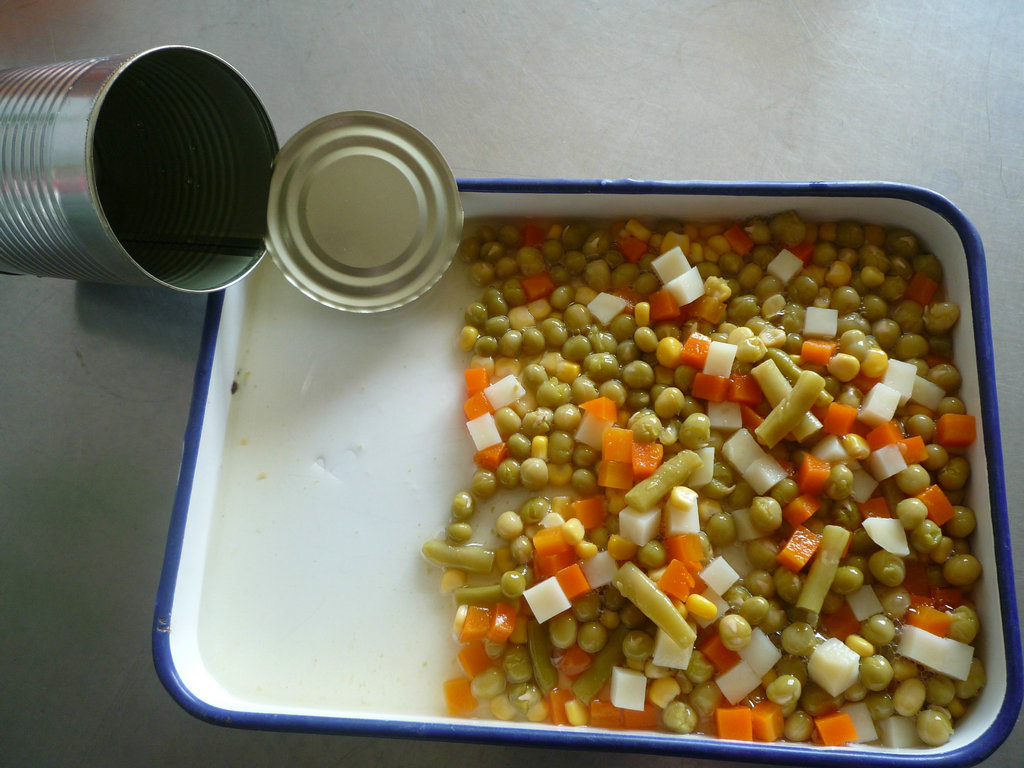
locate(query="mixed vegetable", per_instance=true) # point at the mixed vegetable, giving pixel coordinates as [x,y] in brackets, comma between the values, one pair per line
[726,469]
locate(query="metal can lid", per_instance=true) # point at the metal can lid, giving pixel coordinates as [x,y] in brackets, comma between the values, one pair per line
[364,213]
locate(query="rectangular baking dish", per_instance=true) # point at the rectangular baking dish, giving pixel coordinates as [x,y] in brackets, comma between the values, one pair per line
[323,448]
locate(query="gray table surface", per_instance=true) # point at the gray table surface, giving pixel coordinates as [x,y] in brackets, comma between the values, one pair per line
[95,381]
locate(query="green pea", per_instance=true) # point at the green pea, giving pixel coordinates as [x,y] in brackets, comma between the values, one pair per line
[721,529]
[507,473]
[887,568]
[519,446]
[875,672]
[588,607]
[695,431]
[700,669]
[787,584]
[784,690]
[592,636]
[798,639]
[765,514]
[576,348]
[652,555]
[848,579]
[680,717]
[754,609]
[463,506]
[513,584]
[963,522]
[484,484]
[553,393]
[879,706]
[533,341]
[562,629]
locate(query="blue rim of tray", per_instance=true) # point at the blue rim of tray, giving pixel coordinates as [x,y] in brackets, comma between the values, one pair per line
[479,731]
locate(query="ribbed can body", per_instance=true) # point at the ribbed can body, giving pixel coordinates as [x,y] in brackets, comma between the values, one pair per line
[152,168]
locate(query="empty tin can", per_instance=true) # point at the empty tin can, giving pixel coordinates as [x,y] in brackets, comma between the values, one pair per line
[151,168]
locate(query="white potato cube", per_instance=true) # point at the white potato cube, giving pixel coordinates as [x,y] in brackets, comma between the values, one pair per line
[736,683]
[719,575]
[721,356]
[725,416]
[764,474]
[741,450]
[785,265]
[629,688]
[821,322]
[591,430]
[504,392]
[671,264]
[834,666]
[830,449]
[599,569]
[899,732]
[863,486]
[886,462]
[736,556]
[879,405]
[862,722]
[888,533]
[864,602]
[546,599]
[900,376]
[927,393]
[668,653]
[484,431]
[639,525]
[760,654]
[680,514]
[686,288]
[745,530]
[941,654]
[605,306]
[706,471]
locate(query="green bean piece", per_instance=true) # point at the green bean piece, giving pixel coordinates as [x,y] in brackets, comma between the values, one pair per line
[474,559]
[596,675]
[823,569]
[649,491]
[488,595]
[539,643]
[785,416]
[638,588]
[776,388]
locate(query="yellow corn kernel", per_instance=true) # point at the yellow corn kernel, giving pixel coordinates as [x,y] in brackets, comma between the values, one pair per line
[711,229]
[843,366]
[662,691]
[572,531]
[616,500]
[692,231]
[503,560]
[717,288]
[655,241]
[487,363]
[681,607]
[539,447]
[502,708]
[567,371]
[576,713]
[468,337]
[838,274]
[701,608]
[452,579]
[811,233]
[874,235]
[856,447]
[859,645]
[668,351]
[696,253]
[638,230]
[635,664]
[718,244]
[554,232]
[740,333]
[772,336]
[586,550]
[874,363]
[538,712]
[642,314]
[559,475]
[675,240]
[621,548]
[827,231]
[956,708]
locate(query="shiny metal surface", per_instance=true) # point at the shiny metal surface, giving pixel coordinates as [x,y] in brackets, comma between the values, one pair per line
[150,168]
